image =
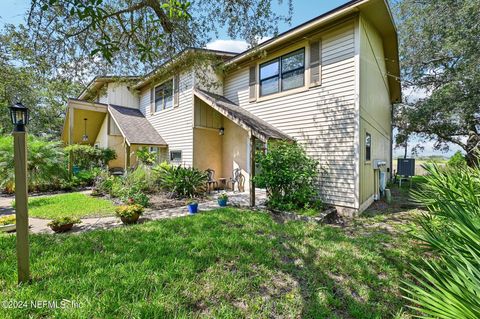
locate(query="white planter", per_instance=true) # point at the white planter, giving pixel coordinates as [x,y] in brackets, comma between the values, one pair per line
[7,228]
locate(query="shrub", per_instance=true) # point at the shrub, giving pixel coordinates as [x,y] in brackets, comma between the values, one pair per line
[146,157]
[449,285]
[45,164]
[7,220]
[182,181]
[289,176]
[128,211]
[457,160]
[142,178]
[134,195]
[87,157]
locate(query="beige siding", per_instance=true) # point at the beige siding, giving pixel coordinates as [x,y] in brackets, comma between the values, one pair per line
[321,118]
[375,107]
[175,125]
[119,94]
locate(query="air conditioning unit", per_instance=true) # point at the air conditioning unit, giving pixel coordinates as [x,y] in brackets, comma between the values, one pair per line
[378,164]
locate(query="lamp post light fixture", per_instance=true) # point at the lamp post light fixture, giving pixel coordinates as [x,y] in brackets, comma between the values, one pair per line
[85,136]
[221,131]
[20,116]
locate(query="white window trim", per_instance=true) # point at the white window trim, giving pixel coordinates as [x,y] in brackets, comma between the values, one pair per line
[175,160]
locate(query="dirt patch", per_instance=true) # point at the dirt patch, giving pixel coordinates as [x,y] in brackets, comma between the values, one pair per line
[163,201]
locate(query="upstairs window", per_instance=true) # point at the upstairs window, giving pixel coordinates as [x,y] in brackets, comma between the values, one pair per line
[164,96]
[284,73]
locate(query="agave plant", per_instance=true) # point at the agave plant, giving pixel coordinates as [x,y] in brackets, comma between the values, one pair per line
[449,285]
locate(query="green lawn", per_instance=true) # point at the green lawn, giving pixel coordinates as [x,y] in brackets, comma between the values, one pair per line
[72,204]
[227,263]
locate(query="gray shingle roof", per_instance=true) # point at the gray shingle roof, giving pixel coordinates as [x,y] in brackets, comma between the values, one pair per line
[134,126]
[241,117]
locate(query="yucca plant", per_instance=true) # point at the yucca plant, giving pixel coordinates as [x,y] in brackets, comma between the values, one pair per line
[448,286]
[182,181]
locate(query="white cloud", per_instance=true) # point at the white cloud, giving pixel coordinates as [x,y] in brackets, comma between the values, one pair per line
[236,46]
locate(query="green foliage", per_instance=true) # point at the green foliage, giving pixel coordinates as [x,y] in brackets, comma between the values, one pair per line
[45,164]
[449,285]
[439,52]
[223,196]
[7,220]
[146,157]
[143,178]
[182,181]
[134,195]
[289,175]
[129,211]
[87,157]
[457,160]
[57,222]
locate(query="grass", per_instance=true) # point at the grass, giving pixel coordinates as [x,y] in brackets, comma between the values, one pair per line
[227,263]
[69,205]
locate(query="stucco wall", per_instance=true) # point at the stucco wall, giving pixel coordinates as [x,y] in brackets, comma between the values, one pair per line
[235,151]
[207,150]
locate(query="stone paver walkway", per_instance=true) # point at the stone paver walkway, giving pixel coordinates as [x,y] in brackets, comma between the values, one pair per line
[38,225]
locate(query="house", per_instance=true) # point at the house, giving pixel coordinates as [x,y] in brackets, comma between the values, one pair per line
[328,84]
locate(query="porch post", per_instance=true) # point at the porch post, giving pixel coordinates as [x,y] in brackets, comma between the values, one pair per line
[127,156]
[70,138]
[252,170]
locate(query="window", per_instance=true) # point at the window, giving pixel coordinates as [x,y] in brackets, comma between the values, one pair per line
[175,156]
[368,147]
[164,96]
[283,73]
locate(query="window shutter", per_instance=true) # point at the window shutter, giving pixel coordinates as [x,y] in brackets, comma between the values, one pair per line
[176,87]
[315,63]
[152,100]
[253,84]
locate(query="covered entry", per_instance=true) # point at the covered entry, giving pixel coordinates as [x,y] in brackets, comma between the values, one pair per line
[226,137]
[120,128]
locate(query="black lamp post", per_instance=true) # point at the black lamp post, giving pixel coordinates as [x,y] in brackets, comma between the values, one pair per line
[19,116]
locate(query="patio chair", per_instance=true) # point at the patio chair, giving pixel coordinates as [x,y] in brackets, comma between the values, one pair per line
[237,178]
[211,181]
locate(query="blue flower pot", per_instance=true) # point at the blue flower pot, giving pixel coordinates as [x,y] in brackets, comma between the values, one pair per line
[222,202]
[192,208]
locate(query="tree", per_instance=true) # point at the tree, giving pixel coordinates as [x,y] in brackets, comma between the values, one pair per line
[126,36]
[440,54]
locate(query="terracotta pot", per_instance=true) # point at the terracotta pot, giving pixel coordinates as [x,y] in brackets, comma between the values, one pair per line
[130,220]
[62,228]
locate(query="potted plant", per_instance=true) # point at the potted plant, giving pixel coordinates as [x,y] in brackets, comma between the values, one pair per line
[129,214]
[192,206]
[7,223]
[63,224]
[222,199]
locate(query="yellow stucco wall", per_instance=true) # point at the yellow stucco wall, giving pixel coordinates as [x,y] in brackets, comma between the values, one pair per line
[235,150]
[207,150]
[375,106]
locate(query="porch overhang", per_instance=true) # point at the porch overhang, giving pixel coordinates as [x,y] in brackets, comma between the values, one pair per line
[251,123]
[134,127]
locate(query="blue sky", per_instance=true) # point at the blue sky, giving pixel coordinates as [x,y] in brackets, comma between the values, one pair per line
[13,11]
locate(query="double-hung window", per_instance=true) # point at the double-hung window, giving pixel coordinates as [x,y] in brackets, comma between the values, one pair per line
[164,96]
[283,73]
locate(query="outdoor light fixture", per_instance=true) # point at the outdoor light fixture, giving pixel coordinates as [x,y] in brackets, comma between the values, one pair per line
[19,115]
[221,131]
[85,136]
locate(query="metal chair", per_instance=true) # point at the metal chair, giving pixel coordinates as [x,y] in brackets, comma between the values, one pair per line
[211,179]
[237,178]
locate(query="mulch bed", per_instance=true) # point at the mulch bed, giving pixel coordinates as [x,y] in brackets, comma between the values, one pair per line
[164,201]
